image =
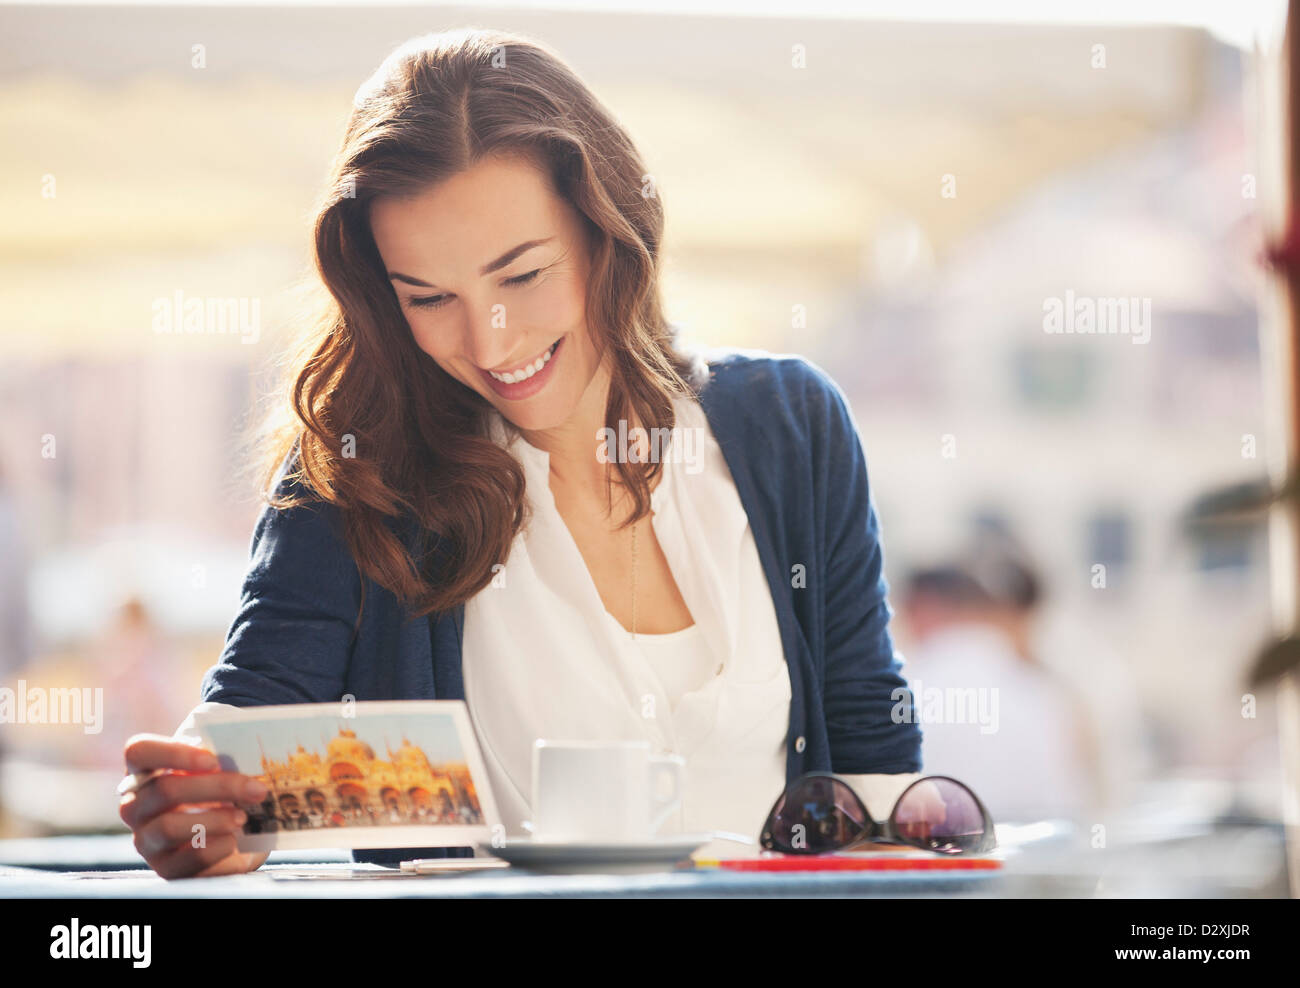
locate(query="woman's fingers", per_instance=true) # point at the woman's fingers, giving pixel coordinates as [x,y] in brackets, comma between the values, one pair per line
[145,752]
[178,789]
[219,857]
[180,810]
[167,831]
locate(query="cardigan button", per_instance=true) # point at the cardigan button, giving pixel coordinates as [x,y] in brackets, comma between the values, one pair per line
[800,744]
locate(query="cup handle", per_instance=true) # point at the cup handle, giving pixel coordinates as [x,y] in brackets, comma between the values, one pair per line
[673,766]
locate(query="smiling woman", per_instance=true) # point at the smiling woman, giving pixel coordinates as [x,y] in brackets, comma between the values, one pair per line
[485,211]
[492,261]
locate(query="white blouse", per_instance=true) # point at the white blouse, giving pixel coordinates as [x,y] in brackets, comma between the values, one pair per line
[542,658]
[680,659]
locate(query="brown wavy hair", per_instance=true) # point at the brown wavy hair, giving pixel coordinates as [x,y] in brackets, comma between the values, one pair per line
[373,425]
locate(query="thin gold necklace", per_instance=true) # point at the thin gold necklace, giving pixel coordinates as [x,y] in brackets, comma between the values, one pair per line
[634,579]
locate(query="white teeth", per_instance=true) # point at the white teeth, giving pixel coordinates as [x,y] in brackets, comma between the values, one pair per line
[527,371]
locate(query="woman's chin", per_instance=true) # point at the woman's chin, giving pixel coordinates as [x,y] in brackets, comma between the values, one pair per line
[535,414]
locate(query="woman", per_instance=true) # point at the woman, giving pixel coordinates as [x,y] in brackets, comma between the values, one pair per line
[705,575]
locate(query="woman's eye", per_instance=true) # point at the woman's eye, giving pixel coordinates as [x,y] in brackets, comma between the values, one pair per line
[524,279]
[432,302]
[438,301]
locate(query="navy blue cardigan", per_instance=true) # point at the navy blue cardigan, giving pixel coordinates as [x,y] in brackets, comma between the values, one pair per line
[794,453]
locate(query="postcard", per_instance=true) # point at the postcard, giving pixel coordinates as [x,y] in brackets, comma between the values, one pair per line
[401,773]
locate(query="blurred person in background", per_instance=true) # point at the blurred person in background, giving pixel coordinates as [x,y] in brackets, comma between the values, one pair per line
[992,714]
[143,679]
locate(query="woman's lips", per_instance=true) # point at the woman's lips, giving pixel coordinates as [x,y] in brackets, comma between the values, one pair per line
[529,386]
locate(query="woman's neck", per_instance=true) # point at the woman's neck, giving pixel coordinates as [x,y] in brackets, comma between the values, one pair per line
[571,446]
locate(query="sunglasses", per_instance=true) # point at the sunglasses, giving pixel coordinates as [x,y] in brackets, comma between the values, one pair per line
[819,812]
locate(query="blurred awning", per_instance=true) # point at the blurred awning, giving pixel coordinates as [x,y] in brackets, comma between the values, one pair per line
[167,178]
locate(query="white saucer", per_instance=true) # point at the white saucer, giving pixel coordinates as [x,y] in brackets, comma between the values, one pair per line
[604,857]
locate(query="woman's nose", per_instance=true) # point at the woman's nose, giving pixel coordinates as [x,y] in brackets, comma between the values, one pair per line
[491,346]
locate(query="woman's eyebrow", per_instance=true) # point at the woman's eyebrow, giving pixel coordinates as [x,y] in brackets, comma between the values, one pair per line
[487,269]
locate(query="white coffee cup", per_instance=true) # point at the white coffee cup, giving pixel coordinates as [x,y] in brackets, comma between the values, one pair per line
[602,790]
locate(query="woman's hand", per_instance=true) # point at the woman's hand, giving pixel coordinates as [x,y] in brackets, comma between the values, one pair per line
[164,812]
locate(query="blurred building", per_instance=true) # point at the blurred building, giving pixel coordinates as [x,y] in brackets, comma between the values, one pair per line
[1092,446]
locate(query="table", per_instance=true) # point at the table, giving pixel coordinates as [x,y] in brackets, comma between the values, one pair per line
[1222,861]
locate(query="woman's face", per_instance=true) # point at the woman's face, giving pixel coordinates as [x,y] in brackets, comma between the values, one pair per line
[490,268]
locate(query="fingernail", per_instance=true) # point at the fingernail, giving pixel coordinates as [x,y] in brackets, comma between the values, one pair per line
[241,817]
[254,789]
[205,762]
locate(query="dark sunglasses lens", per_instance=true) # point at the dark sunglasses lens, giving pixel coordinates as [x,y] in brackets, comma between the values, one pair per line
[816,815]
[944,816]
